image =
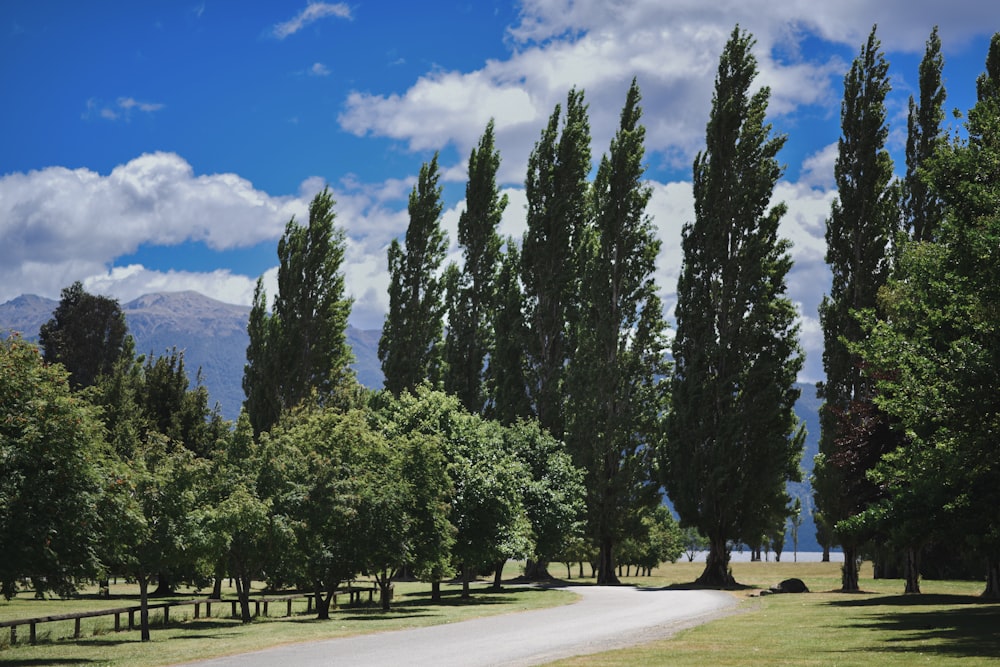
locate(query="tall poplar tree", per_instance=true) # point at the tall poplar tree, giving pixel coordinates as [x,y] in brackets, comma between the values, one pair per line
[862,223]
[506,374]
[732,439]
[301,346]
[469,340]
[558,212]
[923,209]
[410,346]
[616,385]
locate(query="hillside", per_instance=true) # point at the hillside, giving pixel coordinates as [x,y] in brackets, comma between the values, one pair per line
[212,335]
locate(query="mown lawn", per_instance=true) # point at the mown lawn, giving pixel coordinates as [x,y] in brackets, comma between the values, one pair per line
[948,624]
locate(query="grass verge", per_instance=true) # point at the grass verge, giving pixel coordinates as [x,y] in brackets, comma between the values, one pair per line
[949,624]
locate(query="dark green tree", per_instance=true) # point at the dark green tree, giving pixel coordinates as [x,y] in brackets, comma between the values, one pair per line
[87,334]
[863,221]
[469,341]
[301,347]
[933,349]
[506,374]
[52,455]
[732,439]
[617,379]
[924,135]
[411,342]
[558,195]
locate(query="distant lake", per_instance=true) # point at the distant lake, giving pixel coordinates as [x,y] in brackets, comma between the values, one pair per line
[787,556]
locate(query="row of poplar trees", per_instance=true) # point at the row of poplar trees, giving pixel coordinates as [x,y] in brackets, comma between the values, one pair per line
[566,325]
[908,457]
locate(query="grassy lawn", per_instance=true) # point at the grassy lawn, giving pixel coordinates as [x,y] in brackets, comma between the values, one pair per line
[188,639]
[946,625]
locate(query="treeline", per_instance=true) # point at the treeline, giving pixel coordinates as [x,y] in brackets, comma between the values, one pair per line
[909,462]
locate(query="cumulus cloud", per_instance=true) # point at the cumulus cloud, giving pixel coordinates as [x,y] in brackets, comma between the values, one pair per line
[319,69]
[672,48]
[313,12]
[58,225]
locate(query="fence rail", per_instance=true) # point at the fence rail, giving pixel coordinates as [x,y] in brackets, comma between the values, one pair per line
[353,592]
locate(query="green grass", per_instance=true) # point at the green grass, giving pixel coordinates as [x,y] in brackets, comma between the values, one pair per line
[192,639]
[948,624]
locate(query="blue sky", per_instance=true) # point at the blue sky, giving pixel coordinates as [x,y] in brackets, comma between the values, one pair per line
[161,146]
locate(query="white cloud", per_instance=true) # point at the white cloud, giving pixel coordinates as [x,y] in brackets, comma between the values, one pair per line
[319,69]
[122,108]
[313,12]
[672,48]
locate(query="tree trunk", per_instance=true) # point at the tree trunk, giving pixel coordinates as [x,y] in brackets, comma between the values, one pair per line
[537,570]
[716,573]
[992,579]
[569,570]
[465,582]
[104,588]
[826,553]
[384,590]
[849,573]
[322,601]
[580,570]
[144,607]
[912,571]
[220,573]
[243,593]
[606,563]
[436,590]
[498,575]
[164,586]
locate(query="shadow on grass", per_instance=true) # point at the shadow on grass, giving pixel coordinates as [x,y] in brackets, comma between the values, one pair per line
[40,662]
[964,628]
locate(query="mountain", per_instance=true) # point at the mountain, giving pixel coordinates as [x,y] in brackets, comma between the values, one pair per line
[212,335]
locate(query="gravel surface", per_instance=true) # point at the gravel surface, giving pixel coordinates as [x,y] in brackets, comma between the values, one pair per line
[605,618]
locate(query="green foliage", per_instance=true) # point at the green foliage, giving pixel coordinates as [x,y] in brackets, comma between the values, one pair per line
[733,440]
[301,348]
[558,212]
[933,349]
[51,457]
[507,373]
[87,334]
[616,383]
[921,207]
[660,540]
[863,222]
[469,340]
[411,342]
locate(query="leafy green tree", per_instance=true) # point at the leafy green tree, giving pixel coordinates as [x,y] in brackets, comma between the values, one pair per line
[862,223]
[469,341]
[242,520]
[507,372]
[156,520]
[51,457]
[924,135]
[617,387]
[411,342]
[87,334]
[554,498]
[659,540]
[301,347]
[558,195]
[732,439]
[933,349]
[320,450]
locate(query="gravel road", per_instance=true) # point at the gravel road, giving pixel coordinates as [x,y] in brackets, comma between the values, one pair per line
[605,617]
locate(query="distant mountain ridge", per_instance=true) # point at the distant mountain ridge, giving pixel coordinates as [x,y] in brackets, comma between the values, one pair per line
[212,335]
